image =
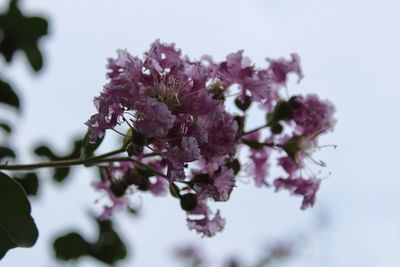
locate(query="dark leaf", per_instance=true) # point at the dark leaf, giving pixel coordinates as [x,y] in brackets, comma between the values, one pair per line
[292,147]
[7,128]
[29,182]
[22,33]
[17,227]
[6,152]
[70,247]
[283,111]
[8,96]
[188,202]
[109,248]
[88,147]
[60,174]
[45,151]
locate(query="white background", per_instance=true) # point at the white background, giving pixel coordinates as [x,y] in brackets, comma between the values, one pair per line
[350,55]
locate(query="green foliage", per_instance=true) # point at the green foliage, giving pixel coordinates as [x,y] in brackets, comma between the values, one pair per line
[29,181]
[60,174]
[20,32]
[89,148]
[6,127]
[109,248]
[6,152]
[17,227]
[8,96]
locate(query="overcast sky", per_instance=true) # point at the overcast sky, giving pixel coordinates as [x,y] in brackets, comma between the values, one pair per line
[350,55]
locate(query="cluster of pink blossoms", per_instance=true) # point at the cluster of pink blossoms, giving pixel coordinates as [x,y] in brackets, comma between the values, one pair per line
[181,137]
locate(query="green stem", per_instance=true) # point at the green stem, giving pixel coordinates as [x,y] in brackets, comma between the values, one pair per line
[256,129]
[59,163]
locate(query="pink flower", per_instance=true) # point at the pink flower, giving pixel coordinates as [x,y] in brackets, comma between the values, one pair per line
[313,116]
[205,225]
[304,187]
[118,203]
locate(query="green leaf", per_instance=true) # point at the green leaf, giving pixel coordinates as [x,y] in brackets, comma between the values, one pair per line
[6,127]
[29,182]
[109,248]
[88,147]
[17,227]
[20,32]
[70,247]
[8,96]
[283,111]
[60,174]
[188,202]
[6,152]
[292,147]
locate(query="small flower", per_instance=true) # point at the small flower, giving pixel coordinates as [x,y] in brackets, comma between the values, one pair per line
[118,203]
[304,187]
[280,68]
[312,115]
[217,186]
[205,225]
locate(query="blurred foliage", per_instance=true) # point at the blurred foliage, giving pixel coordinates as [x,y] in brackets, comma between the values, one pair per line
[60,174]
[29,181]
[17,228]
[6,153]
[108,248]
[20,32]
[8,96]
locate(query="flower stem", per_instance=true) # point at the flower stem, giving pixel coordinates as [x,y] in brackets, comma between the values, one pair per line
[256,129]
[59,163]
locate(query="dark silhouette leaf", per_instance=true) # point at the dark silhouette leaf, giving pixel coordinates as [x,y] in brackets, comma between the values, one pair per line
[6,127]
[6,152]
[17,227]
[22,33]
[60,174]
[30,183]
[8,96]
[88,147]
[108,248]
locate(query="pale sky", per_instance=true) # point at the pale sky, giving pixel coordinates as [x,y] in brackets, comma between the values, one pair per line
[349,52]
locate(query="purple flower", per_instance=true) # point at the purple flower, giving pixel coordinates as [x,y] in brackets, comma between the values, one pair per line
[222,130]
[154,118]
[219,187]
[205,225]
[236,69]
[280,68]
[312,115]
[289,165]
[118,203]
[260,165]
[162,56]
[304,187]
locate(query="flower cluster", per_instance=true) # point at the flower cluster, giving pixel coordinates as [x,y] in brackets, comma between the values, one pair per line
[180,134]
